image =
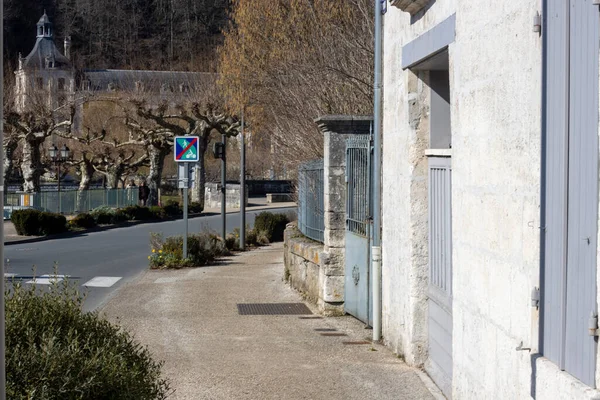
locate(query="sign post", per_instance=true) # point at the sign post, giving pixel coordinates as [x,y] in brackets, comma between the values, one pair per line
[186,152]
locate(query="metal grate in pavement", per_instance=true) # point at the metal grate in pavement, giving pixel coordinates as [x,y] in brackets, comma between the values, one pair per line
[273,309]
[325,330]
[356,342]
[333,334]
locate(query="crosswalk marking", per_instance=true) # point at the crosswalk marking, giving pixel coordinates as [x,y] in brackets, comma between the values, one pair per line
[47,279]
[102,281]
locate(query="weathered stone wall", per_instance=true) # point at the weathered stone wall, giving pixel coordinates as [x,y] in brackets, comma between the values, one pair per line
[212,195]
[305,266]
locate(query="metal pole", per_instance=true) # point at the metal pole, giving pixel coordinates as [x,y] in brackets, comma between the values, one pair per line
[2,318]
[377,122]
[185,208]
[223,187]
[58,177]
[243,189]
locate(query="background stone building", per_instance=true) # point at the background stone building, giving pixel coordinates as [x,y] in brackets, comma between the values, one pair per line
[46,74]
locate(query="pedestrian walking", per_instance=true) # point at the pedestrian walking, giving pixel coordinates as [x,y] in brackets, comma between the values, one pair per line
[143,194]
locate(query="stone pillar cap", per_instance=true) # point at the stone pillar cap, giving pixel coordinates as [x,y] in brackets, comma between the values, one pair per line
[345,124]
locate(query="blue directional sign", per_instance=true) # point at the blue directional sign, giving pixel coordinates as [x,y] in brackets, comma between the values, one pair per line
[186,149]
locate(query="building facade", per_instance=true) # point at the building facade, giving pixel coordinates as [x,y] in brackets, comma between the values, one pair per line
[46,76]
[490,195]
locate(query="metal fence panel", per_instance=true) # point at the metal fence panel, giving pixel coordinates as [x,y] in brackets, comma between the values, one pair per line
[311,200]
[70,201]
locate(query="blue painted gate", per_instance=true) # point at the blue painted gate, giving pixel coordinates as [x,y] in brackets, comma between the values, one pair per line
[358,294]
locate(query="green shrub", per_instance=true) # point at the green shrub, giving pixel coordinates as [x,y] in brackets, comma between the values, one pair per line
[51,224]
[26,222]
[195,207]
[34,222]
[273,225]
[158,212]
[232,242]
[84,221]
[137,213]
[172,208]
[103,215]
[118,217]
[262,238]
[203,249]
[54,350]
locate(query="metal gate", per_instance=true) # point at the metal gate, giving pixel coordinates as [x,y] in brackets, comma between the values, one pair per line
[439,364]
[358,296]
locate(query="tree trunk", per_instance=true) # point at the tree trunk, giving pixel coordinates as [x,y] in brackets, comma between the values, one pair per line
[9,166]
[112,178]
[200,175]
[31,166]
[86,168]
[157,160]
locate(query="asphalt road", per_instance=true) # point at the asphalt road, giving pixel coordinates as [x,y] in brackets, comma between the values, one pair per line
[108,259]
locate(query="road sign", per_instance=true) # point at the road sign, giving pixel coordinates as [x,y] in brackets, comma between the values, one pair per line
[186,149]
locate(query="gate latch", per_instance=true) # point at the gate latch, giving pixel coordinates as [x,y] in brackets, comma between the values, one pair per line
[593,324]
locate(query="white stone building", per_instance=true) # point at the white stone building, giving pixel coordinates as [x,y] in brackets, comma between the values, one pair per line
[490,195]
[45,75]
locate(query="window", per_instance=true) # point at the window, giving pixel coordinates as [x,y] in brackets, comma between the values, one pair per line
[61,84]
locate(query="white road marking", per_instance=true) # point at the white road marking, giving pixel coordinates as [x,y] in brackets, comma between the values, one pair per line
[8,275]
[102,281]
[47,279]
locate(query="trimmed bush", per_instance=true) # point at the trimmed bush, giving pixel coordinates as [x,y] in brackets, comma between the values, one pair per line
[137,213]
[195,207]
[36,223]
[56,351]
[84,221]
[158,212]
[203,248]
[172,208]
[272,225]
[103,215]
[26,222]
[51,224]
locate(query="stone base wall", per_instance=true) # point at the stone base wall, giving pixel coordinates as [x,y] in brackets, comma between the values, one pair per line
[212,195]
[306,271]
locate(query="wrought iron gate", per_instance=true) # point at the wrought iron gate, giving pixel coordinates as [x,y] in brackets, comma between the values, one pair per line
[358,296]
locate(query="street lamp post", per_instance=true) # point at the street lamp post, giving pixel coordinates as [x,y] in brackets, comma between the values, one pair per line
[58,157]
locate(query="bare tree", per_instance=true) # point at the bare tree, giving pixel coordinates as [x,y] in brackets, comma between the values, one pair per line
[155,128]
[32,128]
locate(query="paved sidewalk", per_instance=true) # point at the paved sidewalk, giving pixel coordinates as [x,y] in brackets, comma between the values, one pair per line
[189,318]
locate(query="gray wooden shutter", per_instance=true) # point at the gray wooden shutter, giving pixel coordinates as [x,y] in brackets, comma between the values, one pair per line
[555,129]
[580,348]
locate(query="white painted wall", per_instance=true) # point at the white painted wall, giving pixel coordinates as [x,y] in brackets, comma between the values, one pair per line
[495,79]
[404,197]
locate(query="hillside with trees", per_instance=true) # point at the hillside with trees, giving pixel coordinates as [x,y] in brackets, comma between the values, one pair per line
[125,34]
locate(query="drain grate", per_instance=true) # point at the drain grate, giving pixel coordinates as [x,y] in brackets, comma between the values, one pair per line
[273,309]
[356,342]
[310,317]
[333,334]
[325,330]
